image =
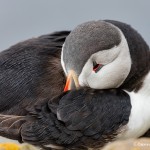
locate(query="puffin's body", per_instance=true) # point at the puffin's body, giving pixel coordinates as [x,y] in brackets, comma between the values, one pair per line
[82,119]
[31,71]
[91,118]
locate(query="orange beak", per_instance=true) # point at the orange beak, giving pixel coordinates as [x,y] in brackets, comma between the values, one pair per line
[71,75]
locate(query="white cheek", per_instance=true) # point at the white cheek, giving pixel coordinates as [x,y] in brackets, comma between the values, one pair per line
[111,75]
[87,70]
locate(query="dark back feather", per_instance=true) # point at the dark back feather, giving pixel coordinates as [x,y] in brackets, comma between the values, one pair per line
[30,71]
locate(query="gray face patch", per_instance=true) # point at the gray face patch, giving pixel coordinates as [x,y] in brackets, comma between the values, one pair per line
[85,40]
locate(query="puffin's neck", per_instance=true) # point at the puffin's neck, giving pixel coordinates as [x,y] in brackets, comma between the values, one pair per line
[139,121]
[145,89]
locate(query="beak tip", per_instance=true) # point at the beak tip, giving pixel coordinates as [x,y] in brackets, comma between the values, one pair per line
[71,75]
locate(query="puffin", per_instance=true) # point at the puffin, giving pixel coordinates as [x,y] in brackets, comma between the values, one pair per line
[89,118]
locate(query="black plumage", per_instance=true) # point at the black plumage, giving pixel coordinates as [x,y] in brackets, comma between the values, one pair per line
[83,118]
[31,71]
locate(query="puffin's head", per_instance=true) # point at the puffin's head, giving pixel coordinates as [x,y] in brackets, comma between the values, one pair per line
[97,53]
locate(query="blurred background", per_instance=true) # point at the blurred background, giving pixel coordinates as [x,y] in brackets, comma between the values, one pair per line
[24,19]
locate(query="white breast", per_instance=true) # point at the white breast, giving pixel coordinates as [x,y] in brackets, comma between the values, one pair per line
[139,121]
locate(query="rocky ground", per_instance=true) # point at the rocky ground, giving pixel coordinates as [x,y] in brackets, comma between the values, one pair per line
[132,144]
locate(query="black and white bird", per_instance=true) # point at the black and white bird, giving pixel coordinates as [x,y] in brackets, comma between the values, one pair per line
[102,54]
[110,54]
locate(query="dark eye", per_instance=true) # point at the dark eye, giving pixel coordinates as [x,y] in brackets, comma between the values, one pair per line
[96,66]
